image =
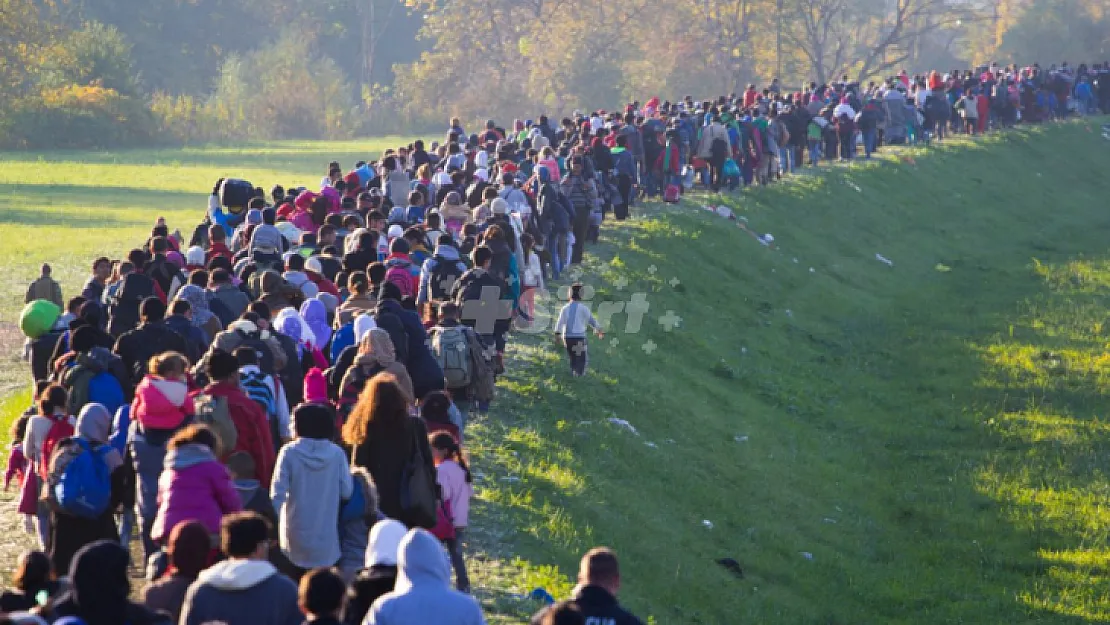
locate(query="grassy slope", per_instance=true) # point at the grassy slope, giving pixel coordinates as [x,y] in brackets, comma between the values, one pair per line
[934,439]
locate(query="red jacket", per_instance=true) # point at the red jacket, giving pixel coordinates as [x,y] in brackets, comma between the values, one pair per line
[323,285]
[251,425]
[219,249]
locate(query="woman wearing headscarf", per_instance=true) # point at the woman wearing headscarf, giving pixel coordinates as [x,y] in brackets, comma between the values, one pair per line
[188,549]
[455,213]
[290,323]
[99,589]
[375,355]
[380,575]
[70,532]
[315,315]
[202,315]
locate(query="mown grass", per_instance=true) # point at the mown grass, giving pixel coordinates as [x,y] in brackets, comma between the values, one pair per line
[872,444]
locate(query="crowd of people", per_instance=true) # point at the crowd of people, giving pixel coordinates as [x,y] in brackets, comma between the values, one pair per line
[275,405]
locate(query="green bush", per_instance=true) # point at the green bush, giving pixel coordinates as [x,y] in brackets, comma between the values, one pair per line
[74,116]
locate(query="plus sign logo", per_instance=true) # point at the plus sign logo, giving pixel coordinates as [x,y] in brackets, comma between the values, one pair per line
[487,310]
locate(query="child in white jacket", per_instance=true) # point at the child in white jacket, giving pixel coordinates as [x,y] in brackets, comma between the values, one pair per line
[310,481]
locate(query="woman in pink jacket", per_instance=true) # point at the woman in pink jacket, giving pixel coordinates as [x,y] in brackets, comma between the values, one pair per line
[194,486]
[161,400]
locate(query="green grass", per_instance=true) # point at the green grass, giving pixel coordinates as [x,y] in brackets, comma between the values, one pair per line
[935,441]
[67,208]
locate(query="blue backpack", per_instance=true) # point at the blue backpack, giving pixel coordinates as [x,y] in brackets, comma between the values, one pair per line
[343,338]
[85,486]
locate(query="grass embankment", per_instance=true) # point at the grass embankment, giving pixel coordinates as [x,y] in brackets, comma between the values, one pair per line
[872,444]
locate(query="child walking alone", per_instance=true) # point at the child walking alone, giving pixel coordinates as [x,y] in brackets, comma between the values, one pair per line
[573,321]
[453,477]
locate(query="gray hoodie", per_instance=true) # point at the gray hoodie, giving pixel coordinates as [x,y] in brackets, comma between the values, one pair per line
[267,237]
[310,481]
[423,591]
[241,592]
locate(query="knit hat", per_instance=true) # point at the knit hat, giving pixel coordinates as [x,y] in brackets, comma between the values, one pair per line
[395,231]
[315,386]
[313,264]
[254,217]
[194,256]
[499,206]
[176,258]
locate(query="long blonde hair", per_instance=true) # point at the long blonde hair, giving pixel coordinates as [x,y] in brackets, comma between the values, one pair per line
[383,405]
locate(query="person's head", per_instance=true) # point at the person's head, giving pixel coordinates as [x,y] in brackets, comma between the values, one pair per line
[599,567]
[527,242]
[563,613]
[314,421]
[245,536]
[188,548]
[448,311]
[432,220]
[376,271]
[576,165]
[576,292]
[494,233]
[219,277]
[222,367]
[321,594]
[198,277]
[482,256]
[33,572]
[445,447]
[325,235]
[102,268]
[382,406]
[196,434]
[98,580]
[53,400]
[436,407]
[399,246]
[152,309]
[295,262]
[83,339]
[358,283]
[45,270]
[169,366]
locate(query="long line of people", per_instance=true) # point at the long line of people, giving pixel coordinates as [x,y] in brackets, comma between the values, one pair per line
[283,395]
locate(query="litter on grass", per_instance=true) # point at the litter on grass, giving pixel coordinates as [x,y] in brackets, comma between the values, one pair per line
[707,523]
[807,555]
[854,186]
[652,445]
[624,424]
[941,267]
[740,439]
[883,259]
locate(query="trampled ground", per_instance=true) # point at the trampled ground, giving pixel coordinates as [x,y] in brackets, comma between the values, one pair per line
[916,443]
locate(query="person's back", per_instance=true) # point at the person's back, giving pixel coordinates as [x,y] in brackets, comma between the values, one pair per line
[310,481]
[425,595]
[245,589]
[596,594]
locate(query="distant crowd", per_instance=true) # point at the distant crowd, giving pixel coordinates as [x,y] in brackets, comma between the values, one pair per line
[275,404]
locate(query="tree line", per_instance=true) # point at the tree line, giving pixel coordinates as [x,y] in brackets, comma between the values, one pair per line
[79,73]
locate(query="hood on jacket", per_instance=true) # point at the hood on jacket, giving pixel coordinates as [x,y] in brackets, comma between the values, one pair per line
[313,453]
[246,489]
[271,282]
[94,424]
[187,456]
[421,561]
[401,261]
[237,574]
[447,252]
[174,391]
[385,542]
[363,325]
[98,359]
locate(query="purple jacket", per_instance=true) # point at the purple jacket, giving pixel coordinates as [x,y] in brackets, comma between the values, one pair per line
[193,486]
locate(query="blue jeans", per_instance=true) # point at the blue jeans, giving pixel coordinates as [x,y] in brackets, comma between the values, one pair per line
[814,151]
[556,246]
[786,163]
[868,142]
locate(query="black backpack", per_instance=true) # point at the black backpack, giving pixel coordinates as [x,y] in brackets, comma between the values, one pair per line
[123,310]
[392,324]
[443,278]
[719,149]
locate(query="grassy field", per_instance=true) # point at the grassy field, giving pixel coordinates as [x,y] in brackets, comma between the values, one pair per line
[917,443]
